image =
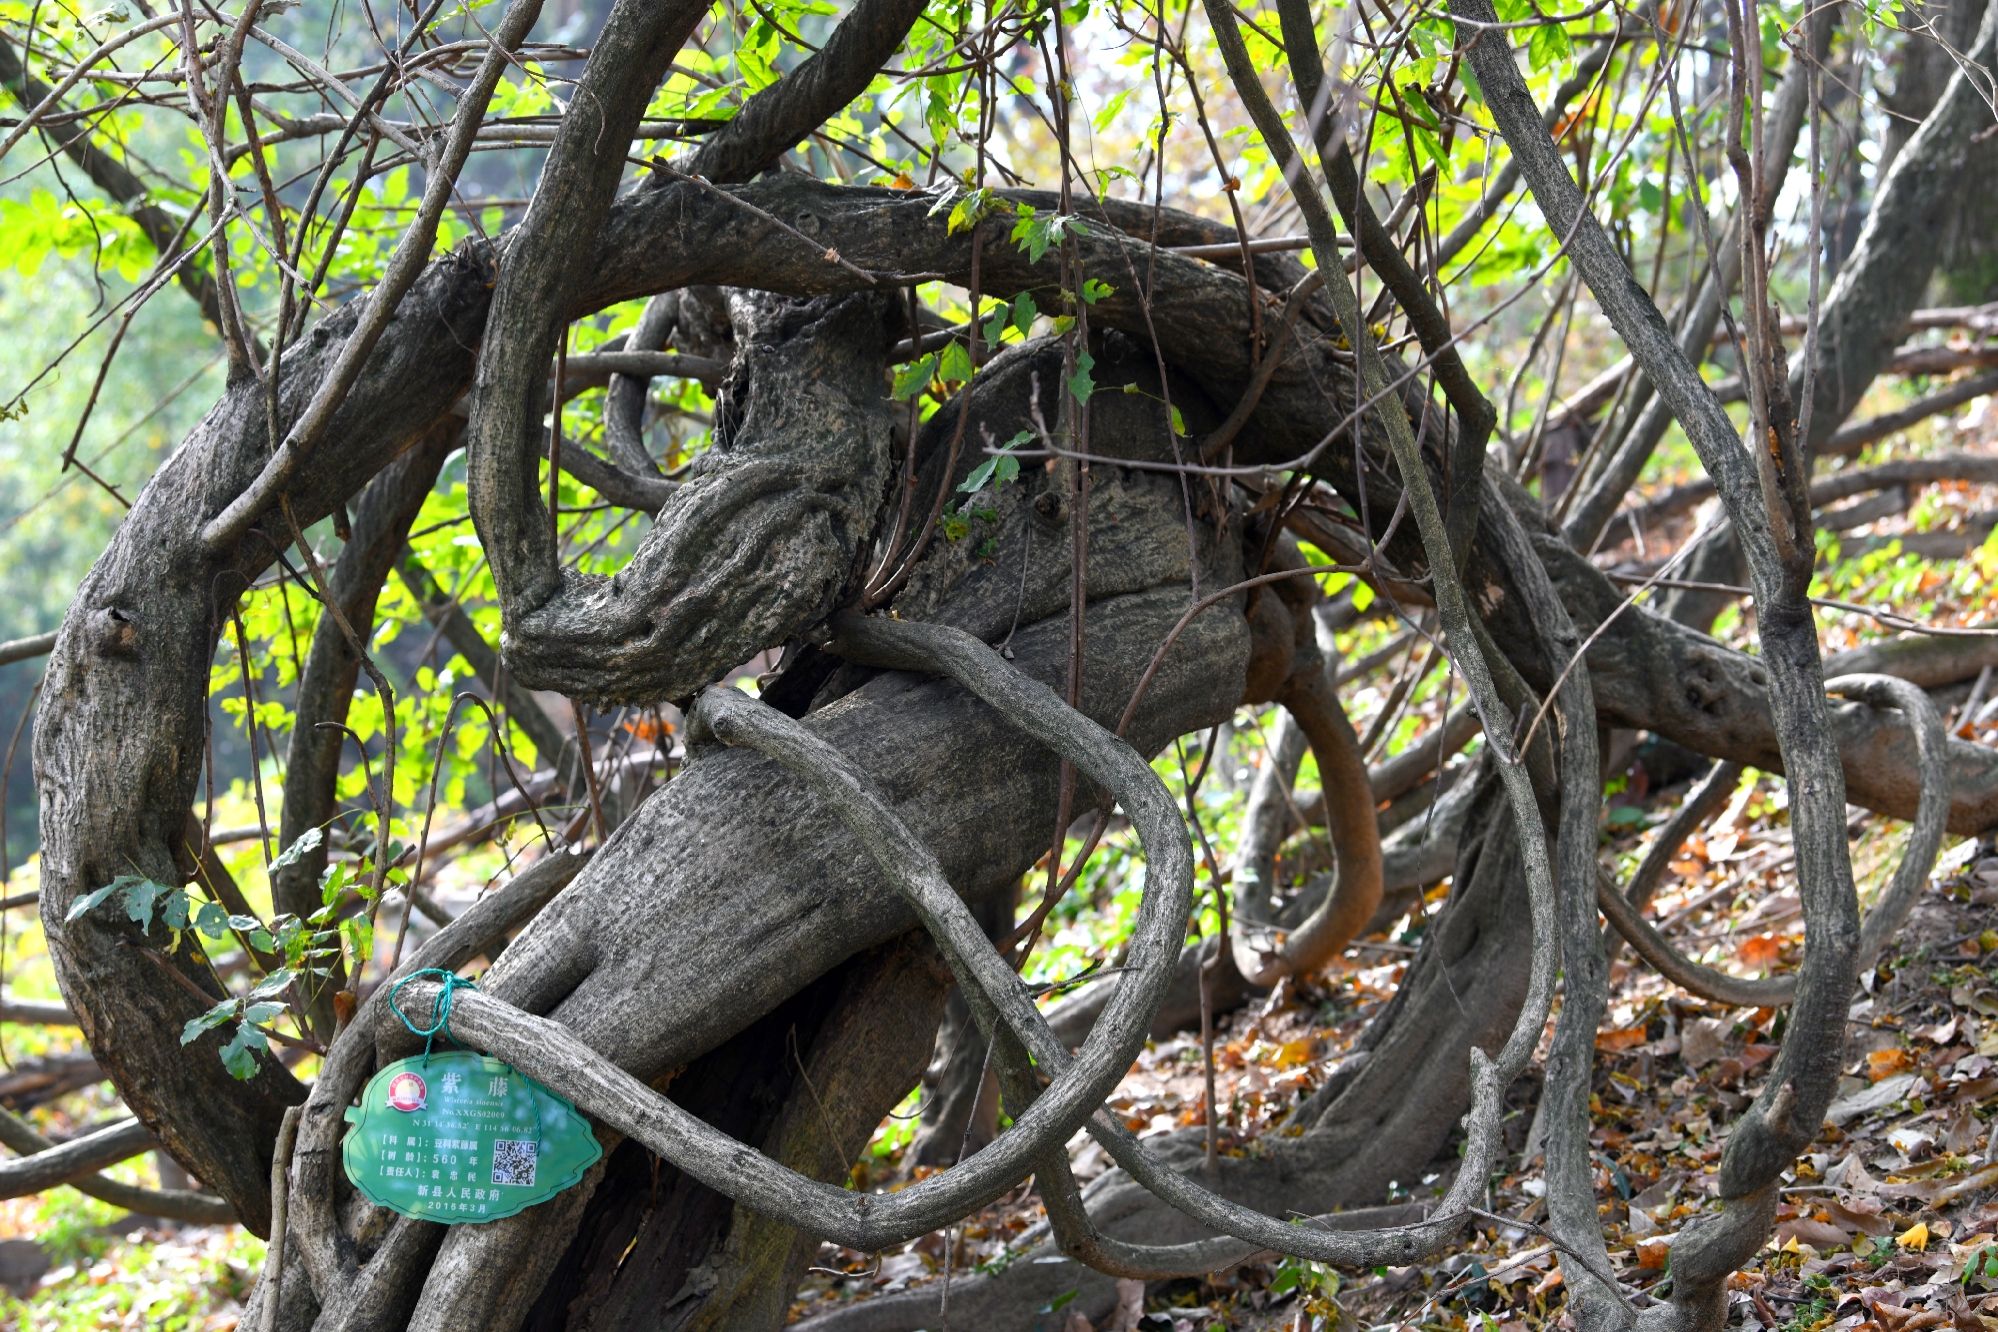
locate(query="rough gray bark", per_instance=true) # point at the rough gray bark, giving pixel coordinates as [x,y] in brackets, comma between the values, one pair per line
[1889,270]
[1765,490]
[758,544]
[1967,256]
[122,728]
[74,1159]
[671,235]
[822,1071]
[175,1204]
[794,885]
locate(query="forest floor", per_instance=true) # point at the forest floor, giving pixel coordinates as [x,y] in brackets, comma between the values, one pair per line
[1890,1225]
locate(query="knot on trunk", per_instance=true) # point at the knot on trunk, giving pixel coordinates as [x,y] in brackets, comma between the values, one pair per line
[757,547]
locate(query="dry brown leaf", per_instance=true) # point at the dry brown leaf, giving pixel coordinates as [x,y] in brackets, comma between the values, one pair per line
[1652,1255]
[1702,1042]
[1965,1319]
[1859,1215]
[1823,1236]
[1942,1033]
[1130,1306]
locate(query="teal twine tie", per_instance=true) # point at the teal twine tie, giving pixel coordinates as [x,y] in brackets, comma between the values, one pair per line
[451,982]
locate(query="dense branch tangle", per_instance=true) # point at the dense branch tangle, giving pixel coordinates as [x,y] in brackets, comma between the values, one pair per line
[1132,588]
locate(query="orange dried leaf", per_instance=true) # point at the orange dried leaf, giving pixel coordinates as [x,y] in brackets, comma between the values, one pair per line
[1293,1053]
[1886,1063]
[1761,951]
[1652,1257]
[1624,1038]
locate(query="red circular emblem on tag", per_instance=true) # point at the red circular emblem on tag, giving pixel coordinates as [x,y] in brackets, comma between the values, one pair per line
[406,1092]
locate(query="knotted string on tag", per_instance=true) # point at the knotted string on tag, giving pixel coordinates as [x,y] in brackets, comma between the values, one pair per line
[450,982]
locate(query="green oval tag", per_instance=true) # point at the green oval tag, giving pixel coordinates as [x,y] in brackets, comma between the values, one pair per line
[462,1138]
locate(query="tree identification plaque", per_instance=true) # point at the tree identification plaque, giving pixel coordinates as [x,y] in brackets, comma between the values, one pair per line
[462,1138]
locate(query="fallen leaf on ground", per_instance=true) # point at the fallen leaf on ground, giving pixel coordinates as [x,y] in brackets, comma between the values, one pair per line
[1761,951]
[1883,1064]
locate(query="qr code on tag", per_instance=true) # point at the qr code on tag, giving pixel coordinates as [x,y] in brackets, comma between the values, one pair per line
[513,1161]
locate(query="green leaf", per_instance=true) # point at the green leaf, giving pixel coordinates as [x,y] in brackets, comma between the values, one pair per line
[1000,467]
[914,377]
[95,896]
[332,881]
[140,897]
[1034,232]
[979,476]
[1094,290]
[1431,147]
[239,1056]
[1031,234]
[360,934]
[968,211]
[290,856]
[212,920]
[955,367]
[1417,105]
[214,1017]
[1547,45]
[1082,383]
[1471,85]
[1025,312]
[1178,422]
[261,1013]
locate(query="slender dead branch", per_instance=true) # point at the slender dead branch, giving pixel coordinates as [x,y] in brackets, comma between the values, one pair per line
[75,1159]
[27,649]
[172,1204]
